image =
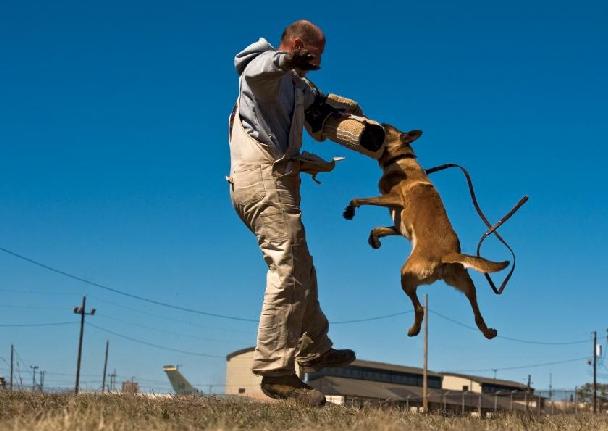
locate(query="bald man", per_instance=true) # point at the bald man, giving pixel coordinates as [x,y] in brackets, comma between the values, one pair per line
[265,140]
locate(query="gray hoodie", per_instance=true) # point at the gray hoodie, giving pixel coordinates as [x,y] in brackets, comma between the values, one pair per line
[267,94]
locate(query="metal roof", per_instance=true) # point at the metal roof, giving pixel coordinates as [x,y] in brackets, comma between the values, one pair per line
[488,380]
[229,356]
[391,367]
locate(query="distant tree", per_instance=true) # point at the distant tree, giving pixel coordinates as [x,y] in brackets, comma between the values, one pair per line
[585,393]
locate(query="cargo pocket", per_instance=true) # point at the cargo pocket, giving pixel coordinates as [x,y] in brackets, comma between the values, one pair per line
[248,192]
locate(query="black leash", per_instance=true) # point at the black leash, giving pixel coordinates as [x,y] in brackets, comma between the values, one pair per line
[492,229]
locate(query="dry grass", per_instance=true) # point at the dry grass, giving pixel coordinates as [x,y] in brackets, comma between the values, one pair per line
[26,411]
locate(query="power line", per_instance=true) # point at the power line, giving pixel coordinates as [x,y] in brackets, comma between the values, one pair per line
[519,367]
[167,305]
[517,340]
[31,325]
[27,307]
[158,329]
[120,376]
[243,319]
[20,359]
[136,340]
[155,315]
[55,373]
[369,319]
[40,292]
[163,317]
[19,363]
[123,293]
[546,343]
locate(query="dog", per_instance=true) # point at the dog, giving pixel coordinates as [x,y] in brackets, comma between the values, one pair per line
[419,215]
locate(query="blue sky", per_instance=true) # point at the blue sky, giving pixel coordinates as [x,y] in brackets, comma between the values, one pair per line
[113,157]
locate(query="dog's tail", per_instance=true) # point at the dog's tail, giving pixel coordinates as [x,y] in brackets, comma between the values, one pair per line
[477,263]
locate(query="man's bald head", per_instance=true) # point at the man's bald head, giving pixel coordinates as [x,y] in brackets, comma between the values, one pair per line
[305,31]
[303,35]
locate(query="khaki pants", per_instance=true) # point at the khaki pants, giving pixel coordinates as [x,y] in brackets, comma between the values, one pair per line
[291,323]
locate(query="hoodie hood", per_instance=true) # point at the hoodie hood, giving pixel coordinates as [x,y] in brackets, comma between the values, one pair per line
[244,57]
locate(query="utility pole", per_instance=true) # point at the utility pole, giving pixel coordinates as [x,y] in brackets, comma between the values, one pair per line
[594,371]
[425,371]
[42,380]
[463,392]
[528,390]
[34,368]
[105,367]
[550,391]
[12,366]
[82,311]
[112,380]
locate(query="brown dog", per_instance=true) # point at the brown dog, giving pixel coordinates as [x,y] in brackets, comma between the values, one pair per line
[419,215]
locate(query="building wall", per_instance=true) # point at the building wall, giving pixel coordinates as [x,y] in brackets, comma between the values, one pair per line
[240,380]
[455,383]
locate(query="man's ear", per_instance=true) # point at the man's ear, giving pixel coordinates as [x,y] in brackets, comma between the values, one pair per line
[297,43]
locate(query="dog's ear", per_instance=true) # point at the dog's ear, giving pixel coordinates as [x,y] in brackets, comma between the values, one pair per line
[411,136]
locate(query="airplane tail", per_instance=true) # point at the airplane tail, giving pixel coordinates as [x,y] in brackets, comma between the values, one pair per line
[477,263]
[180,385]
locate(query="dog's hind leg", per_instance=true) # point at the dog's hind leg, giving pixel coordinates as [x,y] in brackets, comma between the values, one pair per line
[379,232]
[456,275]
[390,201]
[409,284]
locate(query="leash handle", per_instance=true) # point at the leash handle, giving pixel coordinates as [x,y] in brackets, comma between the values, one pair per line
[492,229]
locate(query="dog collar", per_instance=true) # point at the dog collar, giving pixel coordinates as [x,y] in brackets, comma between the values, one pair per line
[397,158]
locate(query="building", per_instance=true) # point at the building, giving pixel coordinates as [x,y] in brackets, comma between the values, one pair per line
[130,387]
[239,378]
[517,393]
[368,382]
[478,384]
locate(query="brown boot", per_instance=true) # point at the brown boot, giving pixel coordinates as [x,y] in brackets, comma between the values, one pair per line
[291,387]
[331,358]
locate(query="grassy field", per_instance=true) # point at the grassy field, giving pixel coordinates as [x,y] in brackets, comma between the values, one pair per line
[37,412]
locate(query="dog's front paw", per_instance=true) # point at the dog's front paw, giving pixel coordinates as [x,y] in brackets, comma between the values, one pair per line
[349,212]
[413,331]
[373,241]
[490,333]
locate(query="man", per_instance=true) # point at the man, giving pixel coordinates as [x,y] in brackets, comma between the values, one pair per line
[265,140]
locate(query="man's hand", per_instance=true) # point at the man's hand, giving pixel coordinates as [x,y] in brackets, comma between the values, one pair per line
[313,164]
[300,59]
